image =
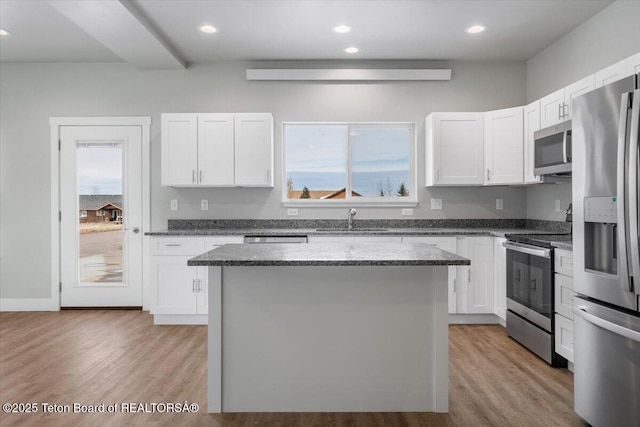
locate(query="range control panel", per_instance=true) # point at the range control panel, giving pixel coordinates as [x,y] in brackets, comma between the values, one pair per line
[600,209]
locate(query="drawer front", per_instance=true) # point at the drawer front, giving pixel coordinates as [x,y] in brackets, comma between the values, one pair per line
[564,337]
[563,262]
[205,244]
[174,246]
[564,294]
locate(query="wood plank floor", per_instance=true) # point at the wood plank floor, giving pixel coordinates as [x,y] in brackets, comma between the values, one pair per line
[103,356]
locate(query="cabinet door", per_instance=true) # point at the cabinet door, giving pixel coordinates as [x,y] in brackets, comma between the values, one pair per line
[531,124]
[551,109]
[455,149]
[564,337]
[179,149]
[503,145]
[174,285]
[613,73]
[446,244]
[215,150]
[478,292]
[500,278]
[253,150]
[578,88]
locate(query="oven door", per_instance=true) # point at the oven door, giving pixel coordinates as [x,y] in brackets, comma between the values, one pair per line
[530,283]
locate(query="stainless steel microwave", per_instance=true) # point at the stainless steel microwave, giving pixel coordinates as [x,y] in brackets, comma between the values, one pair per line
[552,150]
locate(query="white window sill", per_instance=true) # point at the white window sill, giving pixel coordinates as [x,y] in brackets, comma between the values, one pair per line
[316,203]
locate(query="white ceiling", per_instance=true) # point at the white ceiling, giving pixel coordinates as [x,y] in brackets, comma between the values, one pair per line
[156,34]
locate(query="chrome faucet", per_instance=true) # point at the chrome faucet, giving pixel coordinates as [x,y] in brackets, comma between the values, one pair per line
[352,213]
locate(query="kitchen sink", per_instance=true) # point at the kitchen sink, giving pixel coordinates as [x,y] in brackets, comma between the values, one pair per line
[352,229]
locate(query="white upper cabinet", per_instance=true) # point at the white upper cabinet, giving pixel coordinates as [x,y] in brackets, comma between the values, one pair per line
[556,107]
[254,150]
[531,124]
[454,149]
[552,109]
[503,146]
[217,150]
[179,133]
[619,70]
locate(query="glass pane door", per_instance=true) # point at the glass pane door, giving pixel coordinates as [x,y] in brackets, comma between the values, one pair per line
[100,206]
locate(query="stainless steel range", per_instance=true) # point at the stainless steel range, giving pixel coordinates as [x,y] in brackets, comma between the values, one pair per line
[530,293]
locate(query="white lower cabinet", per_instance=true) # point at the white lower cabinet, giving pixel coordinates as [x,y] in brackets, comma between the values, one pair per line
[475,282]
[564,337]
[563,303]
[179,292]
[500,278]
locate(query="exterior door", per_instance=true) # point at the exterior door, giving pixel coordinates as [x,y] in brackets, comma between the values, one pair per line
[101,216]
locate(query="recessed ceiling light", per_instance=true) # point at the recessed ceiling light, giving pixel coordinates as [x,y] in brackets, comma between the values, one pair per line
[352,49]
[4,33]
[342,29]
[475,29]
[209,29]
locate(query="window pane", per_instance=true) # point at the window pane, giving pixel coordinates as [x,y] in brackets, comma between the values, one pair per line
[100,242]
[380,160]
[316,161]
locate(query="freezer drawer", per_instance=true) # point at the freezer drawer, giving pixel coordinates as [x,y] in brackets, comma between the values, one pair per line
[606,365]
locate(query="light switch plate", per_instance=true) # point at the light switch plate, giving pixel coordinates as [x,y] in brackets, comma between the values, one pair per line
[499,204]
[174,205]
[407,212]
[292,212]
[436,204]
[204,205]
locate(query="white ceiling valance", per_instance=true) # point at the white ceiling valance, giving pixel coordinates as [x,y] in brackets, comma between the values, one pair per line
[345,74]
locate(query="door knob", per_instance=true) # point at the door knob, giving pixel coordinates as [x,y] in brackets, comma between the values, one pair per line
[136,230]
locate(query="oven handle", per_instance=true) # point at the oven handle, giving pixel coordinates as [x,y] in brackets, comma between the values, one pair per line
[605,324]
[543,253]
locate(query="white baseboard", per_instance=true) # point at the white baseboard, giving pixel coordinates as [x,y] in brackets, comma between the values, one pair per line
[180,319]
[473,319]
[28,304]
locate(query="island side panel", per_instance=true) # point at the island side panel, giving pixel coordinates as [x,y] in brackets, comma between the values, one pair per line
[333,339]
[214,347]
[441,340]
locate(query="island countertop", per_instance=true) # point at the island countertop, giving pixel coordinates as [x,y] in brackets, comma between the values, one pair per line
[327,254]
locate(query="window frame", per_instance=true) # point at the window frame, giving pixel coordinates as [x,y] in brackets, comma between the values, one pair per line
[411,200]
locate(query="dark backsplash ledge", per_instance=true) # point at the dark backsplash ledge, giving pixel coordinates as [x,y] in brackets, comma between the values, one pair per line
[261,224]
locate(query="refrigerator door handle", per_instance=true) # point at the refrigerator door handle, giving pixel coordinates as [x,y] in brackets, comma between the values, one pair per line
[605,324]
[621,202]
[632,201]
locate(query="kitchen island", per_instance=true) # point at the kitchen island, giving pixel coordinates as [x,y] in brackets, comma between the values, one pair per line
[327,327]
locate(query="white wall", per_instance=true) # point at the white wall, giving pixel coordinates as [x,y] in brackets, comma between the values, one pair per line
[31,93]
[608,37]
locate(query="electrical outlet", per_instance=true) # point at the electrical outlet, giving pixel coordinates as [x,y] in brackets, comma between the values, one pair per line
[557,205]
[407,212]
[204,205]
[174,205]
[292,212]
[436,204]
[499,204]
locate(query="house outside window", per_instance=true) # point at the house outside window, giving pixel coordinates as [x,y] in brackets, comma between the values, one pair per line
[83,214]
[100,213]
[349,163]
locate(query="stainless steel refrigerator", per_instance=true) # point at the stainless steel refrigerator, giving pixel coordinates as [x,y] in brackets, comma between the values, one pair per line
[606,273]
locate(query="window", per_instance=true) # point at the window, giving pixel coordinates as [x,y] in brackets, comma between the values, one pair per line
[100,213]
[83,214]
[362,163]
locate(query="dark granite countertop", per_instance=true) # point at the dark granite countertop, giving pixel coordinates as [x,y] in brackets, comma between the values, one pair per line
[496,232]
[327,254]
